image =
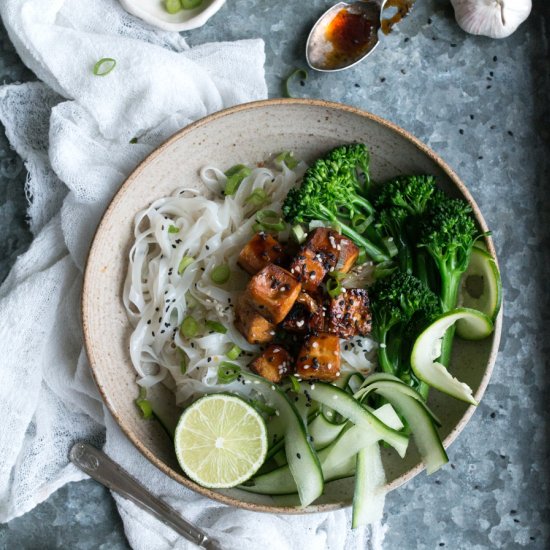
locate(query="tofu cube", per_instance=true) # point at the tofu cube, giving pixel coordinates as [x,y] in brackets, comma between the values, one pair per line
[274,363]
[307,315]
[319,358]
[340,251]
[349,314]
[255,328]
[325,250]
[261,250]
[297,319]
[272,292]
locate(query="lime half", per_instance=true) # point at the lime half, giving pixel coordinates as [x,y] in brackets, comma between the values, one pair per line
[220,441]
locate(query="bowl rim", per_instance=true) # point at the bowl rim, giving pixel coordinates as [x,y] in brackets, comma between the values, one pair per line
[86,309]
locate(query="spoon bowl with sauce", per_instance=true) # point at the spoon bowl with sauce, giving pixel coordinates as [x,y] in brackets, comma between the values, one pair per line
[348,32]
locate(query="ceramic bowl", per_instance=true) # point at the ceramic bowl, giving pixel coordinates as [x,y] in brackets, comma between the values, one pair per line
[154,13]
[248,134]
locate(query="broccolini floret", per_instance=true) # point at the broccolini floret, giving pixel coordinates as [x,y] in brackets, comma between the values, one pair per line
[402,306]
[413,193]
[331,191]
[448,233]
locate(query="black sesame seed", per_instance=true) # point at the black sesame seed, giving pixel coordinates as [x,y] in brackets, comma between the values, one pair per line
[429,20]
[510,133]
[162,331]
[489,87]
[157,309]
[357,85]
[173,246]
[383,79]
[153,334]
[298,455]
[207,247]
[406,39]
[471,117]
[209,359]
[495,58]
[461,132]
[493,414]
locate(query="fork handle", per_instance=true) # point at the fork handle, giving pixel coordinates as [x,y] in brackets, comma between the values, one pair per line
[107,472]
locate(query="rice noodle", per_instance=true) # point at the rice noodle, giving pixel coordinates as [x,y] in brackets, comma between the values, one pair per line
[211,229]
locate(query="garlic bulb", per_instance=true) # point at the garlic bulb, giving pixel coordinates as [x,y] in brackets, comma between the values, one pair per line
[494,18]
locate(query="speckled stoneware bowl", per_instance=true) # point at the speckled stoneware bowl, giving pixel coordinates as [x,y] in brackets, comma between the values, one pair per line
[249,134]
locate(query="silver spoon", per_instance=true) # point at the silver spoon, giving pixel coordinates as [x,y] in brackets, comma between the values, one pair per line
[101,468]
[359,39]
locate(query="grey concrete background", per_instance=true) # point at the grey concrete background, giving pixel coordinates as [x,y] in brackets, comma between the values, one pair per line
[483,106]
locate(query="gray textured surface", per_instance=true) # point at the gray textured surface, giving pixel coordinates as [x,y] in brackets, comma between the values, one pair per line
[482,105]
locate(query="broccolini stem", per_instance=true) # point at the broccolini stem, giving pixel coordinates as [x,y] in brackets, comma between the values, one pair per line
[383,359]
[449,297]
[367,206]
[372,250]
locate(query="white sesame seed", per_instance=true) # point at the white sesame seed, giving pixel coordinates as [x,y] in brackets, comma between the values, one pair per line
[315,345]
[305,367]
[312,386]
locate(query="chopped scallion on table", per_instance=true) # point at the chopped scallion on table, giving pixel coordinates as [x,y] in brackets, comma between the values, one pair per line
[104,66]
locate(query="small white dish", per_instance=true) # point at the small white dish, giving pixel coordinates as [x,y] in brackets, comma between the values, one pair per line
[154,13]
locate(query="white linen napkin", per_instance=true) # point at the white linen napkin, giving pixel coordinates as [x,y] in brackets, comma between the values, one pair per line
[73,132]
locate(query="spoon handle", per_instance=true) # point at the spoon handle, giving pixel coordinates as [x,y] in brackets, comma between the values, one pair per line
[101,468]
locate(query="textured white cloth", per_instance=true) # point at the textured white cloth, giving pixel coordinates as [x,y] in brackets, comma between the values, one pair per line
[73,131]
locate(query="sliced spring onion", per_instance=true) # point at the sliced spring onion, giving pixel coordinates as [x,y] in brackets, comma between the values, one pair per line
[220,274]
[360,223]
[297,73]
[294,383]
[183,360]
[104,66]
[233,352]
[334,283]
[172,6]
[143,404]
[235,175]
[298,234]
[185,262]
[173,229]
[362,258]
[228,372]
[334,287]
[390,246]
[269,219]
[383,269]
[287,157]
[215,326]
[261,407]
[258,197]
[190,4]
[189,327]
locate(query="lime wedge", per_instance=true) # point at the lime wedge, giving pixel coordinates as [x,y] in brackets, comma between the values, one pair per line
[220,441]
